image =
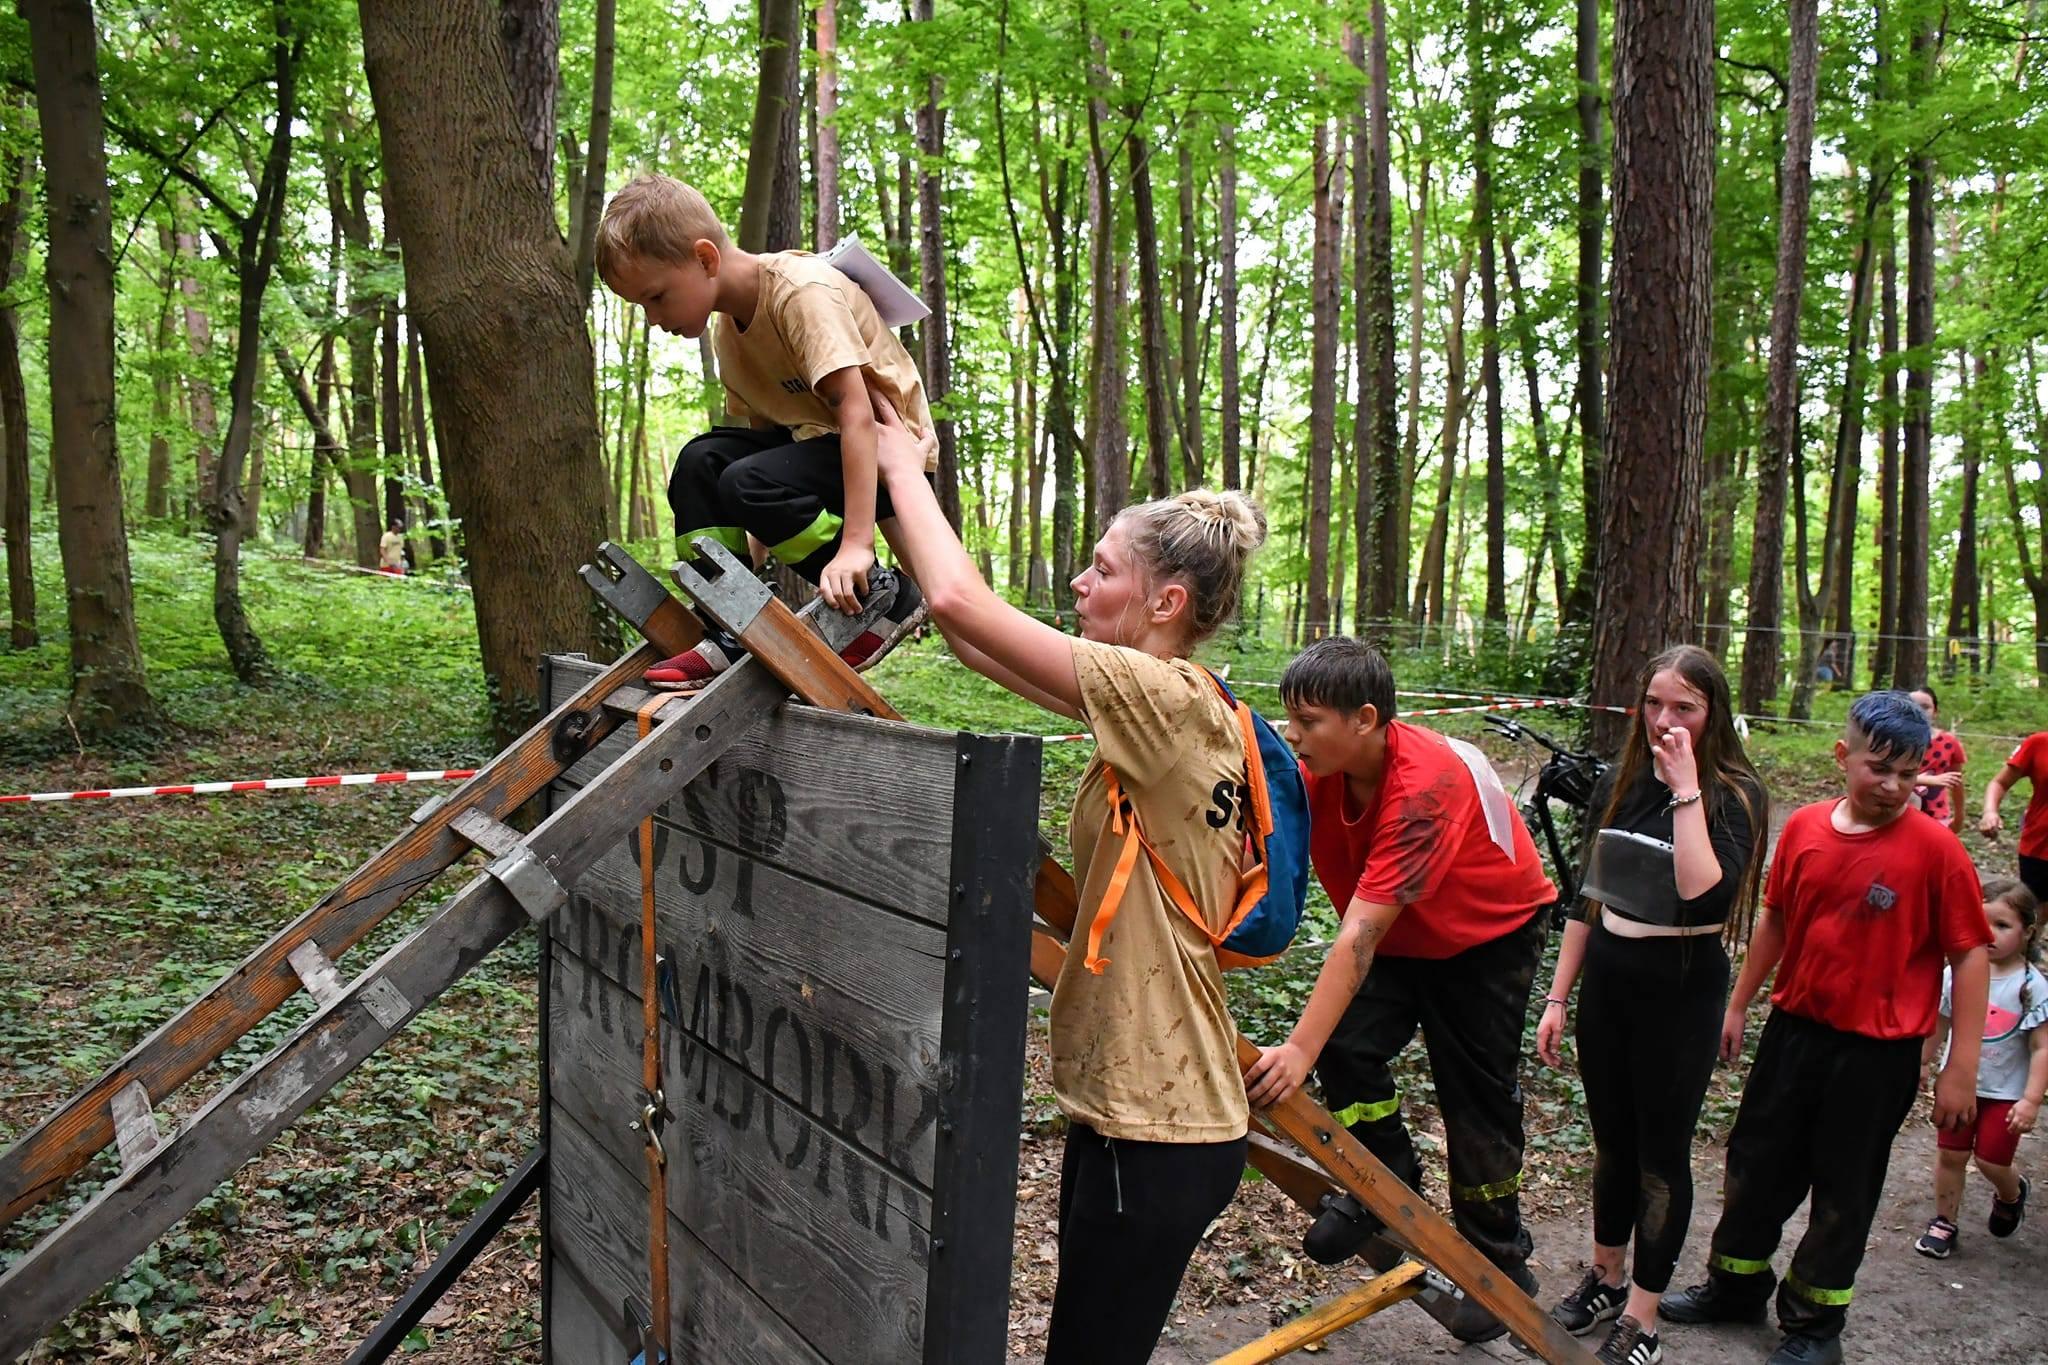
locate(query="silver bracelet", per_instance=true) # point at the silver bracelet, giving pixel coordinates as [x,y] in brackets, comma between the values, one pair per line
[1677,800]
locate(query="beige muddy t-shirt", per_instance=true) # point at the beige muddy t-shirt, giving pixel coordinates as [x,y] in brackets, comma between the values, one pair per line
[809,321]
[1147,1049]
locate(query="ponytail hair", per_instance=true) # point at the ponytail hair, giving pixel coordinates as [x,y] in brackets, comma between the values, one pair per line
[1203,539]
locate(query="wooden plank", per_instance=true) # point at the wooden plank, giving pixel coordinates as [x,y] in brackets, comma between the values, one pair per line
[600,1249]
[37,1165]
[807,976]
[865,806]
[974,1198]
[90,1248]
[1325,1319]
[834,1240]
[492,836]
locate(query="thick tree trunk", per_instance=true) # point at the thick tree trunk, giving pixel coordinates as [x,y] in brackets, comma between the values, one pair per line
[1110,442]
[1910,666]
[1884,646]
[786,200]
[14,480]
[531,31]
[1230,422]
[1322,389]
[1761,649]
[109,688]
[1662,306]
[1152,377]
[1571,656]
[828,124]
[780,21]
[1190,284]
[598,159]
[1478,85]
[508,360]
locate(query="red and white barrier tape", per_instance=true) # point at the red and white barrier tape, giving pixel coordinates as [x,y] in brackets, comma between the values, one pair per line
[266,784]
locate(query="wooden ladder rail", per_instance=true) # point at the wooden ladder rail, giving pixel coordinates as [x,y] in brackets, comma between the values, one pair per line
[165,1180]
[824,680]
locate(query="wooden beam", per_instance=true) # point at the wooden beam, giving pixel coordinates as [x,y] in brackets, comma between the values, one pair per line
[37,1166]
[1402,1282]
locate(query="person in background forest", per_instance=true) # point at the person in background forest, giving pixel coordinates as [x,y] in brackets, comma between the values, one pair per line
[1441,892]
[1144,1053]
[800,349]
[1673,873]
[391,549]
[1866,897]
[1941,772]
[2029,761]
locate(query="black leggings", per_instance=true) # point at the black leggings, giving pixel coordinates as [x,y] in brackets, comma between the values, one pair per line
[1649,1025]
[1131,1214]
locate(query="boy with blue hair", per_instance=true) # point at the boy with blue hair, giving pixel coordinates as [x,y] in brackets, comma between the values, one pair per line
[1867,897]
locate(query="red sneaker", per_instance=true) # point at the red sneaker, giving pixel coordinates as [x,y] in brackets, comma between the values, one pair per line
[690,670]
[904,616]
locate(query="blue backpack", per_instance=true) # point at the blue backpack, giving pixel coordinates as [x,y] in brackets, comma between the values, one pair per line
[1273,879]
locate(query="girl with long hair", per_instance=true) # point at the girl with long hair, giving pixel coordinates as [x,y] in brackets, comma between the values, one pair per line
[1672,875]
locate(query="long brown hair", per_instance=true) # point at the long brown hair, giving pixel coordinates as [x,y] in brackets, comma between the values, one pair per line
[1722,763]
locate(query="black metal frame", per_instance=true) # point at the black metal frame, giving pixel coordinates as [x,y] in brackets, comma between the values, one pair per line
[981,1042]
[484,1225]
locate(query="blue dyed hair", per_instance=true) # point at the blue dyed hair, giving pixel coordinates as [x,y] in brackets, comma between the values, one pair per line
[1889,725]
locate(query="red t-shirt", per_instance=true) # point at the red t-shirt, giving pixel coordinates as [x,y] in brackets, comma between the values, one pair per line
[1944,755]
[1869,920]
[2031,758]
[1423,844]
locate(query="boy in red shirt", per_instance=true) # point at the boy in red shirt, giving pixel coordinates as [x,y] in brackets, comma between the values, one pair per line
[2029,761]
[1440,888]
[1867,896]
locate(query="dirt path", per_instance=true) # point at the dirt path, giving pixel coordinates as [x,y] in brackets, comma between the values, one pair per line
[1992,1297]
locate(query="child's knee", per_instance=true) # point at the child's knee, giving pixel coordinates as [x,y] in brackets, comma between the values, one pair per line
[1955,1158]
[1992,1171]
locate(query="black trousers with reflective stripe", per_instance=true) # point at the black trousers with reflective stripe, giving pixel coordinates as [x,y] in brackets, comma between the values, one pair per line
[1470,1007]
[767,483]
[1819,1112]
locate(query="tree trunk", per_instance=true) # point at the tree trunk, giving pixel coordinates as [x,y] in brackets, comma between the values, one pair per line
[508,359]
[531,31]
[1478,86]
[1429,583]
[1152,378]
[597,165]
[1662,307]
[938,362]
[1188,290]
[1322,389]
[109,689]
[641,524]
[414,406]
[1965,606]
[1592,225]
[347,205]
[1838,580]
[1383,572]
[779,46]
[1411,439]
[1910,667]
[1020,449]
[1761,649]
[198,326]
[1110,444]
[14,480]
[1525,329]
[828,123]
[786,199]
[1230,422]
[1884,646]
[156,498]
[391,419]
[327,451]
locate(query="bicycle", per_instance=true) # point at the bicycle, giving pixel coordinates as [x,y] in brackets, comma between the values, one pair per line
[1568,776]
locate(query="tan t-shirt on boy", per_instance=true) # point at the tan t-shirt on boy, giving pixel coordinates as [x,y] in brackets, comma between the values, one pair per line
[1147,1049]
[809,321]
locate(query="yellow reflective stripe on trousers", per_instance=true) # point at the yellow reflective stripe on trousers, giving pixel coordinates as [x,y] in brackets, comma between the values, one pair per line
[732,538]
[1367,1111]
[1735,1265]
[810,540]
[1480,1194]
[1832,1298]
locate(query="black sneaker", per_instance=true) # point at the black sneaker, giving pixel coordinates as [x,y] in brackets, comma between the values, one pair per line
[2006,1218]
[1592,1303]
[1709,1303]
[1629,1344]
[1340,1230]
[1474,1322]
[904,615]
[1939,1241]
[1796,1349]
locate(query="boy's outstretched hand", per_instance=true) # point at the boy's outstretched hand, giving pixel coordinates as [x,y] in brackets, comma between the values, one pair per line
[845,580]
[1277,1074]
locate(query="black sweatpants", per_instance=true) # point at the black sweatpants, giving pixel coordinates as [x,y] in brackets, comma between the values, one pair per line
[2034,875]
[1819,1112]
[1131,1214]
[1648,1028]
[1470,1007]
[789,494]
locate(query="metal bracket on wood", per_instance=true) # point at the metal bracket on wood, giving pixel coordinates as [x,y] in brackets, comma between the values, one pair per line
[734,598]
[317,971]
[425,810]
[134,1125]
[530,882]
